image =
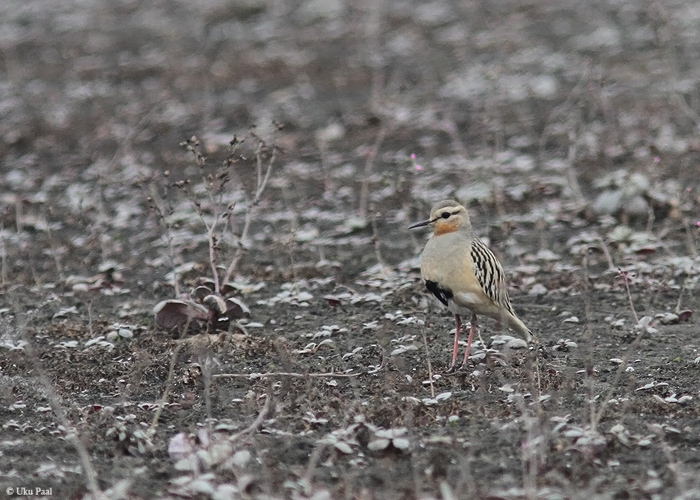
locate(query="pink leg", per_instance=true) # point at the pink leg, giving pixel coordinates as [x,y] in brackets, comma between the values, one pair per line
[458,321]
[472,329]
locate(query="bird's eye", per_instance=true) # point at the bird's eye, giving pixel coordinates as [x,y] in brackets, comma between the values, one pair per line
[445,215]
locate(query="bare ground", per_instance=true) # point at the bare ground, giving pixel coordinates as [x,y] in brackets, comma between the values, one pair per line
[569,131]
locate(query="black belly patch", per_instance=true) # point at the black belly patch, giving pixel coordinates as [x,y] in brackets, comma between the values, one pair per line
[442,294]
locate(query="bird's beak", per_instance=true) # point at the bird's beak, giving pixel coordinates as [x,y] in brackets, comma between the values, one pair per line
[421,224]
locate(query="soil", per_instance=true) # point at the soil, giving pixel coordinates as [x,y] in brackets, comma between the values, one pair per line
[569,131]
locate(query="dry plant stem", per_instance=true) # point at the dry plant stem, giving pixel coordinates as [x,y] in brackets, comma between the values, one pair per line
[446,492]
[629,296]
[313,462]
[618,375]
[537,372]
[588,339]
[157,201]
[536,435]
[654,294]
[257,423]
[417,471]
[133,132]
[290,245]
[54,248]
[54,401]
[89,309]
[575,92]
[375,240]
[448,126]
[168,386]
[193,146]
[369,165]
[606,252]
[531,448]
[596,416]
[3,256]
[99,229]
[292,260]
[372,29]
[466,483]
[536,382]
[693,250]
[18,216]
[206,375]
[499,200]
[674,465]
[531,458]
[325,168]
[212,251]
[571,171]
[494,122]
[430,366]
[692,247]
[253,376]
[650,221]
[252,207]
[680,294]
[672,63]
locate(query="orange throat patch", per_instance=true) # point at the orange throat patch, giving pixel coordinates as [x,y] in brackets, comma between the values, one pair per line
[445,227]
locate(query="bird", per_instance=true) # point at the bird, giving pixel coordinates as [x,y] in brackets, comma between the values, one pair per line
[464,275]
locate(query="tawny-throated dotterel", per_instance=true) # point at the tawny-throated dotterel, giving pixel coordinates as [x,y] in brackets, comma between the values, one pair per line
[464,275]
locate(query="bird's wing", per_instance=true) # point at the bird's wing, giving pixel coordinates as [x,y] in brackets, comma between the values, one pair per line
[489,274]
[442,294]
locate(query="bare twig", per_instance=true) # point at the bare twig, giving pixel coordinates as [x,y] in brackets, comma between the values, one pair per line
[430,366]
[89,311]
[257,423]
[606,252]
[448,125]
[691,239]
[206,366]
[251,209]
[597,415]
[325,167]
[212,252]
[532,449]
[253,376]
[446,491]
[157,203]
[208,181]
[55,403]
[166,392]
[684,287]
[588,338]
[313,462]
[369,164]
[563,107]
[133,132]
[3,255]
[625,278]
[375,240]
[375,12]
[54,248]
[571,171]
[663,26]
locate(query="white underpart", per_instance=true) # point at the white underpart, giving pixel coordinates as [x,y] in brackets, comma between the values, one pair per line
[467,298]
[463,303]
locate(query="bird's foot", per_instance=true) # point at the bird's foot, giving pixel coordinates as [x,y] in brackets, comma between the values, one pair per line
[451,370]
[455,369]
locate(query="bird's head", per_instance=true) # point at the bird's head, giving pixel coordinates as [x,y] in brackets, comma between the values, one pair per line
[446,216]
